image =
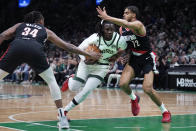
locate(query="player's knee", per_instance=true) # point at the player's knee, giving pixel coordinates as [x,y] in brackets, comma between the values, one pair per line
[75,85]
[148,89]
[123,84]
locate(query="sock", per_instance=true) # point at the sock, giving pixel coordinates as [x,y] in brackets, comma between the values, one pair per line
[61,112]
[162,107]
[70,79]
[132,96]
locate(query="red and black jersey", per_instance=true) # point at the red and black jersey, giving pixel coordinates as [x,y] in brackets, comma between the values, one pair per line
[31,32]
[138,44]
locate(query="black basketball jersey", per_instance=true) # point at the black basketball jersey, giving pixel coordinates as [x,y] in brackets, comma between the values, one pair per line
[31,32]
[136,43]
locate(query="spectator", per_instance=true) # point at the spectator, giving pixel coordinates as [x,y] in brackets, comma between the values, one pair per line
[118,72]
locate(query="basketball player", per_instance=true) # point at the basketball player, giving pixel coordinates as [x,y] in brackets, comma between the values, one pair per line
[27,47]
[90,76]
[141,58]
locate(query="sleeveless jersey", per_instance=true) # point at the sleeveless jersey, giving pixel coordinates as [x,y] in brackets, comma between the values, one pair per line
[29,31]
[107,48]
[136,43]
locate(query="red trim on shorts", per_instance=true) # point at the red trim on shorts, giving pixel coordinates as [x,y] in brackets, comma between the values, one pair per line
[155,56]
[138,51]
[4,53]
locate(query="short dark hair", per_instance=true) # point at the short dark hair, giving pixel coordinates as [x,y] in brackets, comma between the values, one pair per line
[33,17]
[134,9]
[100,25]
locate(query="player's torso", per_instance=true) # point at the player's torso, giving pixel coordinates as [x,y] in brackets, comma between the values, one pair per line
[108,48]
[28,31]
[136,43]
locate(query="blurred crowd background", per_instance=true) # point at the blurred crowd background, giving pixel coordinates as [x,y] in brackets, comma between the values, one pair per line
[171,27]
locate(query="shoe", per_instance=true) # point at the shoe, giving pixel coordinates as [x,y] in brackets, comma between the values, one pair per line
[69,120]
[135,107]
[63,122]
[65,86]
[166,117]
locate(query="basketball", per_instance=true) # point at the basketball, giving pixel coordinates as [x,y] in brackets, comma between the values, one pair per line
[91,48]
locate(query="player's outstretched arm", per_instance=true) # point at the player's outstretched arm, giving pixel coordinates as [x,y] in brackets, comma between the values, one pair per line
[121,22]
[9,33]
[69,47]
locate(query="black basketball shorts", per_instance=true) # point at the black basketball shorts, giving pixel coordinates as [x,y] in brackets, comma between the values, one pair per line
[24,51]
[143,64]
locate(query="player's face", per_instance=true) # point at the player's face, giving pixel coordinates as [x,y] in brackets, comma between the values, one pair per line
[128,15]
[108,30]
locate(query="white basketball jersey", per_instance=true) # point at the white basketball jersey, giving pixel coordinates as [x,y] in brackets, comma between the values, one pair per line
[107,48]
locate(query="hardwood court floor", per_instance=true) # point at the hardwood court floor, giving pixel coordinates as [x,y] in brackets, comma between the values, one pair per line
[33,103]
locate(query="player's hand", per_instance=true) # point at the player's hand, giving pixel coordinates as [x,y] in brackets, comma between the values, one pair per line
[94,55]
[90,61]
[102,13]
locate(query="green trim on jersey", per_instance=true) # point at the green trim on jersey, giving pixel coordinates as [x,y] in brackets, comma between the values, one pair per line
[96,76]
[111,42]
[117,42]
[79,79]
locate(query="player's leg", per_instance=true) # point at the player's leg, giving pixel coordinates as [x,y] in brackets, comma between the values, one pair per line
[148,68]
[126,77]
[77,81]
[97,73]
[9,60]
[148,89]
[90,85]
[36,58]
[49,78]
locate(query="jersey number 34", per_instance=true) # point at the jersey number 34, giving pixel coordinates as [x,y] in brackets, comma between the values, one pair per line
[28,31]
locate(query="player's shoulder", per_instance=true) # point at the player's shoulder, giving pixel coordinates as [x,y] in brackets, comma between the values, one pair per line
[94,36]
[17,25]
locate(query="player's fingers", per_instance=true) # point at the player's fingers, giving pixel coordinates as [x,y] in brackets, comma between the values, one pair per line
[99,7]
[99,16]
[104,8]
[98,10]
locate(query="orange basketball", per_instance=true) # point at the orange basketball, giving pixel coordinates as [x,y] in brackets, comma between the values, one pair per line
[93,48]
